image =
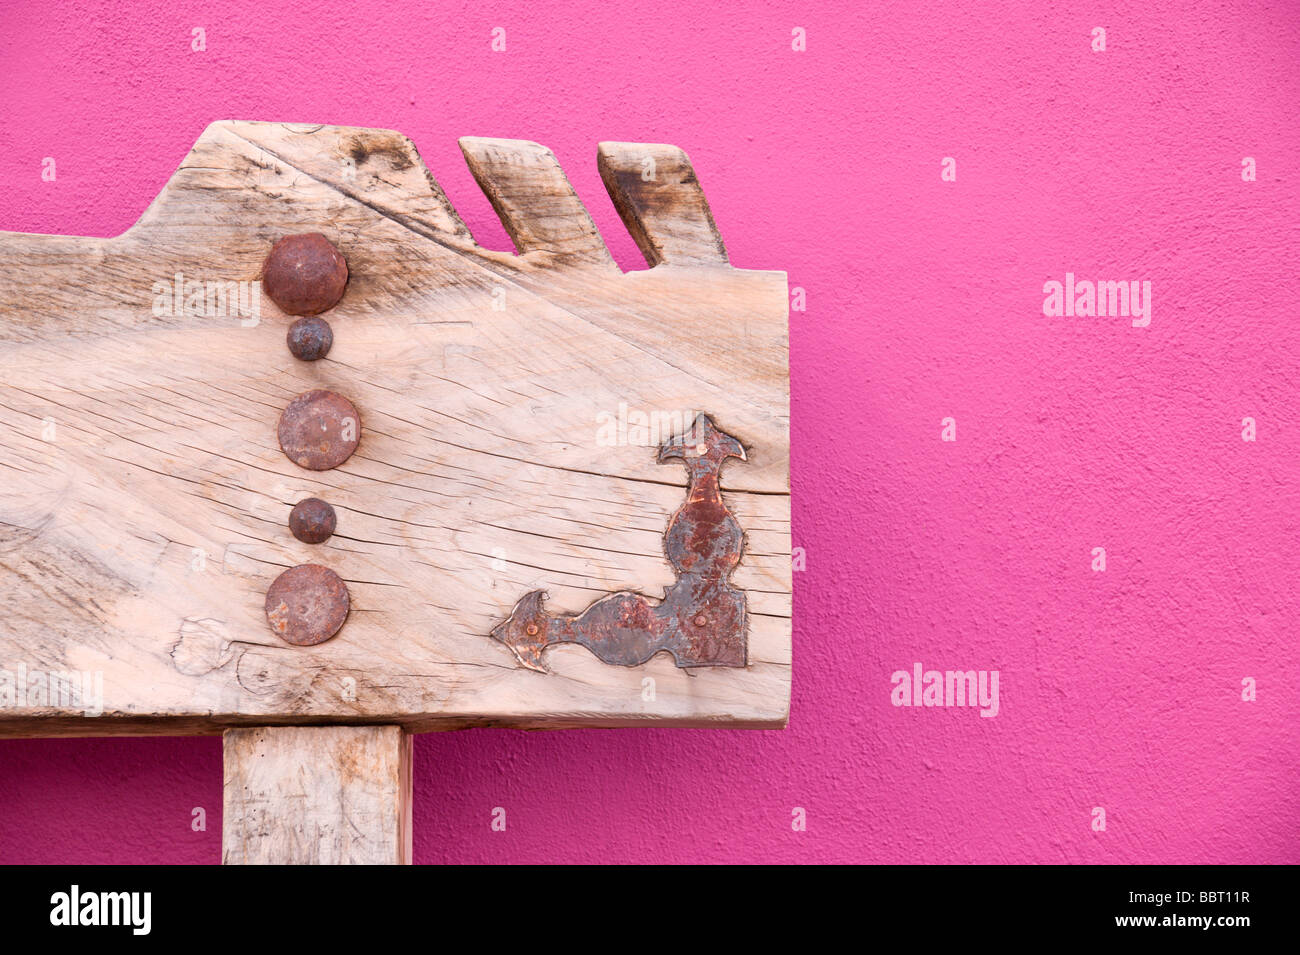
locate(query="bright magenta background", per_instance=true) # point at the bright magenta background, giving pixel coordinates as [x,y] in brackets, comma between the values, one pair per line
[1120,689]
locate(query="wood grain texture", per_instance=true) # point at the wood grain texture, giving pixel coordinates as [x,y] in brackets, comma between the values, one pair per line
[656,192]
[533,197]
[143,497]
[316,795]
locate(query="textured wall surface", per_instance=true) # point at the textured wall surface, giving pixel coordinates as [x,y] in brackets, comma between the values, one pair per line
[1120,689]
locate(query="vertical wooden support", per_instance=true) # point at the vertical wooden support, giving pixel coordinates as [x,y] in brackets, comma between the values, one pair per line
[317,795]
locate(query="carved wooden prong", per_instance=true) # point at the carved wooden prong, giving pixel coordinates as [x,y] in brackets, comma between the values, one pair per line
[656,192]
[537,205]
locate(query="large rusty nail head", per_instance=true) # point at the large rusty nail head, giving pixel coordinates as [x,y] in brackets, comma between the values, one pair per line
[319,430]
[307,605]
[304,274]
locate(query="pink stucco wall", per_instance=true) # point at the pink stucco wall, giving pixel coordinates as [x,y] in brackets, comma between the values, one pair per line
[1119,689]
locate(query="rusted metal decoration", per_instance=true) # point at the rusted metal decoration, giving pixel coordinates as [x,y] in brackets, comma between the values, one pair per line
[312,520]
[701,620]
[304,274]
[307,605]
[319,430]
[309,338]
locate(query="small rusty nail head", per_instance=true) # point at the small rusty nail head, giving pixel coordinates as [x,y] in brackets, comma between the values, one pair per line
[307,605]
[309,338]
[319,430]
[304,274]
[312,520]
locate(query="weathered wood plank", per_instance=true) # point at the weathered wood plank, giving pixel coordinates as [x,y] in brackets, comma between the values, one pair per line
[317,795]
[143,497]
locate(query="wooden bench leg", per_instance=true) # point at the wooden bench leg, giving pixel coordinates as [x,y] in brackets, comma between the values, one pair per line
[317,795]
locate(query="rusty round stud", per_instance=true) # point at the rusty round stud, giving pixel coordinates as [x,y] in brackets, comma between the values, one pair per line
[700,620]
[312,520]
[531,629]
[310,338]
[304,274]
[307,605]
[319,430]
